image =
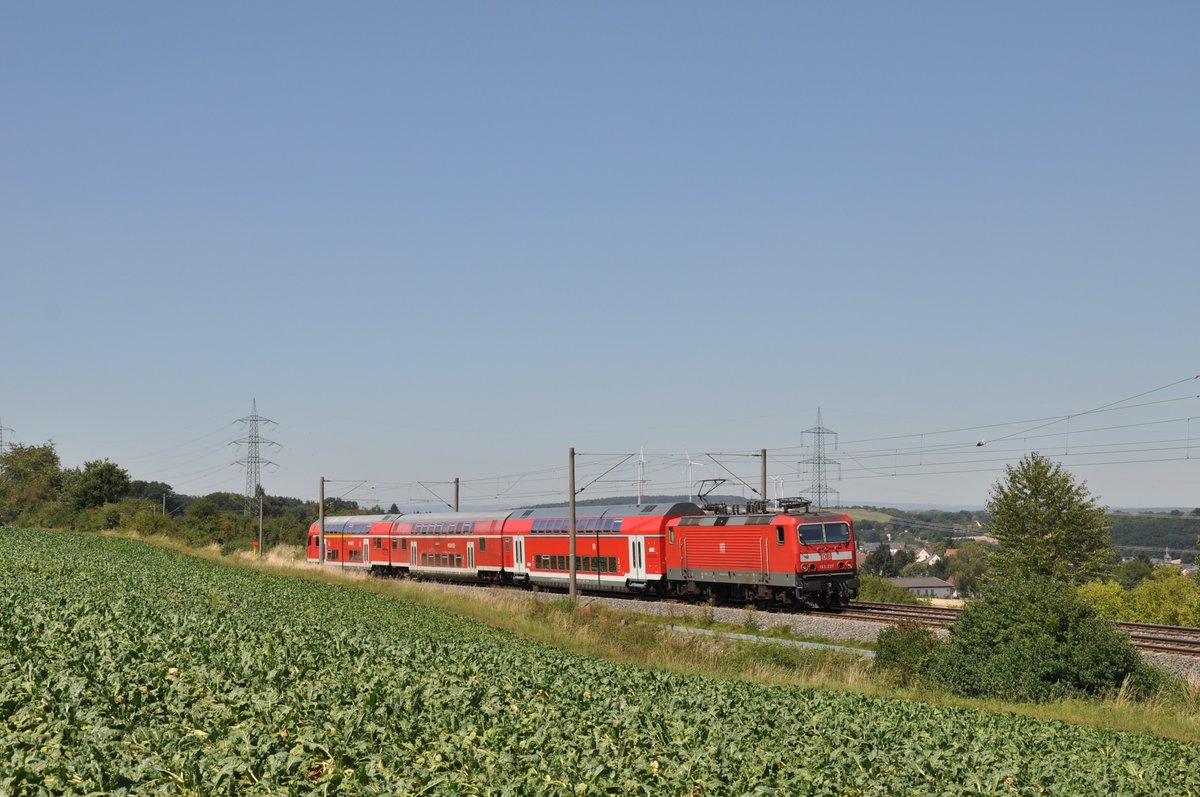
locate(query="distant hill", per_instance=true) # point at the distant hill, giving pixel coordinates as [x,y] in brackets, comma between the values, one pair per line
[1175,530]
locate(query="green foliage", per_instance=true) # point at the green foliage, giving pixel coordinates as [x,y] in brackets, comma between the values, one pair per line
[904,651]
[1135,571]
[131,670]
[1168,597]
[879,562]
[1106,597]
[1047,525]
[99,482]
[880,590]
[1034,639]
[30,476]
[967,567]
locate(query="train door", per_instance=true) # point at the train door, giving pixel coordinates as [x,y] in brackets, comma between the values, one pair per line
[366,549]
[471,556]
[412,553]
[519,569]
[637,558]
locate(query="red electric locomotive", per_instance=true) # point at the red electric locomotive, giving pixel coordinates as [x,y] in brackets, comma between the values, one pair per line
[784,555]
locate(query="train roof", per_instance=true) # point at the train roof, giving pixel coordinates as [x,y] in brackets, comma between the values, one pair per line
[342,519]
[611,510]
[354,524]
[440,517]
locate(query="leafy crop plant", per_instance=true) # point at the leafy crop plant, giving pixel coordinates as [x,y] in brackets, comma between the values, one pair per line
[131,670]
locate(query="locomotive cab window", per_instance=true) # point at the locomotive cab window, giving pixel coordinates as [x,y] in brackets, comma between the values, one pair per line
[811,533]
[837,532]
[778,535]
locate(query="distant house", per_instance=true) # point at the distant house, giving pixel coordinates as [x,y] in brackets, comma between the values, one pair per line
[927,557]
[926,587]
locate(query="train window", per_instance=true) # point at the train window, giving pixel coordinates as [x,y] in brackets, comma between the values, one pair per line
[458,560]
[527,513]
[837,532]
[331,555]
[720,520]
[378,543]
[482,544]
[617,525]
[649,509]
[811,533]
[778,535]
[612,564]
[671,535]
[508,544]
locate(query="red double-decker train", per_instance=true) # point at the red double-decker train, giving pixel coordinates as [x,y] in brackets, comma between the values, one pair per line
[786,554]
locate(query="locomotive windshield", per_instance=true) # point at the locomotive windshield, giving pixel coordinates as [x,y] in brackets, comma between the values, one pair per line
[837,532]
[812,534]
[817,533]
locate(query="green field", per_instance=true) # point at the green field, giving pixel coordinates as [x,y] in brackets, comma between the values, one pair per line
[130,669]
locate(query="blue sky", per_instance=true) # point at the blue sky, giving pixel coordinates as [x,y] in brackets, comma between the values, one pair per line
[440,239]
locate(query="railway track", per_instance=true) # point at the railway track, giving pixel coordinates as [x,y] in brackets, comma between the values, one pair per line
[1180,640]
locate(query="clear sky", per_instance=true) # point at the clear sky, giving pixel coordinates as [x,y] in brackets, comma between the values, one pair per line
[454,239]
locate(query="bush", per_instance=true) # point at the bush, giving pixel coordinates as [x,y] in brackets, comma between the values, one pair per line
[904,651]
[880,590]
[1034,639]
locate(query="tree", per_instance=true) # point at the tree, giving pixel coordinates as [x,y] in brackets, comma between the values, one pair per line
[29,476]
[100,482]
[967,567]
[879,562]
[903,558]
[153,491]
[1135,571]
[1048,525]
